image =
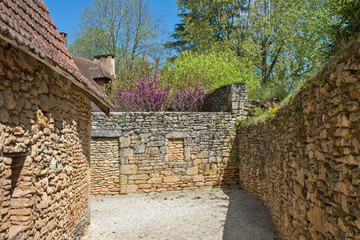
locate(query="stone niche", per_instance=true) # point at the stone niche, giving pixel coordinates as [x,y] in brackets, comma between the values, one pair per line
[176,149]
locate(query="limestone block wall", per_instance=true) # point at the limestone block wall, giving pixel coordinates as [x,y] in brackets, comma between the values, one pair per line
[229,98]
[147,152]
[44,151]
[305,163]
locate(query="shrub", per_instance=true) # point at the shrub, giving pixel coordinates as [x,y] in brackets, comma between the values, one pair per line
[211,69]
[149,95]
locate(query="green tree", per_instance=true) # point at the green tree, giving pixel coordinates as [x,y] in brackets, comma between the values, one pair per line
[347,25]
[284,39]
[126,28]
[212,69]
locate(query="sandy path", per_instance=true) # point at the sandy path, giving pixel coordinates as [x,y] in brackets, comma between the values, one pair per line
[197,214]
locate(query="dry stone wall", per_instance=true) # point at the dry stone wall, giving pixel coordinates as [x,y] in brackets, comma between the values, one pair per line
[305,162]
[229,98]
[44,151]
[105,169]
[147,152]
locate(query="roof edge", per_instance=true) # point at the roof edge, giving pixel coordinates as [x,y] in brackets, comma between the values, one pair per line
[104,55]
[103,105]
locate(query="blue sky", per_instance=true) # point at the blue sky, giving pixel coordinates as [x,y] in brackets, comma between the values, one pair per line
[66,13]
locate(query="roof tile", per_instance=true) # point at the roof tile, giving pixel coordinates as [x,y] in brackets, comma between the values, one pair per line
[29,23]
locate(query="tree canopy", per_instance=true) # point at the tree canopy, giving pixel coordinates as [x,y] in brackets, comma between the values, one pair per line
[271,45]
[347,24]
[284,39]
[125,28]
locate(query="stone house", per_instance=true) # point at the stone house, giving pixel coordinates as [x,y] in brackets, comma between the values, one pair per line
[100,71]
[44,128]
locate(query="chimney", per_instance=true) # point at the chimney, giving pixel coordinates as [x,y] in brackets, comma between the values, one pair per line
[64,36]
[107,61]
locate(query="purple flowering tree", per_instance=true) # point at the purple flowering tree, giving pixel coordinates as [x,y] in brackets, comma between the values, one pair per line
[148,95]
[188,100]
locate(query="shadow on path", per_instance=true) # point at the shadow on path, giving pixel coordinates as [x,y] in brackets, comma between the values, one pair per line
[247,218]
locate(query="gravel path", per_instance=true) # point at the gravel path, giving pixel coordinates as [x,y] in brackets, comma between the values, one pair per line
[196,214]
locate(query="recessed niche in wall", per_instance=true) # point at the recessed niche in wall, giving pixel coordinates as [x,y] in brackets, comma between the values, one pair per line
[19,202]
[176,149]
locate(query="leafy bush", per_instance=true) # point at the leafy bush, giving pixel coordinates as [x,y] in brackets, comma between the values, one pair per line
[211,69]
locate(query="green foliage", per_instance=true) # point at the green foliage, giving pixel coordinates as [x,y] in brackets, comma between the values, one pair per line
[347,25]
[259,116]
[143,68]
[283,39]
[213,68]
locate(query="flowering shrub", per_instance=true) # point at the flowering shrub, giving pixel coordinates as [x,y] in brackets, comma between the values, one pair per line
[148,95]
[188,100]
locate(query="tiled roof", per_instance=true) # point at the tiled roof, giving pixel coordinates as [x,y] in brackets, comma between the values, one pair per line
[28,23]
[90,69]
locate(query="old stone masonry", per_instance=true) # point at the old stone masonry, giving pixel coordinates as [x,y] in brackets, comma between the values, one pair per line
[147,152]
[303,163]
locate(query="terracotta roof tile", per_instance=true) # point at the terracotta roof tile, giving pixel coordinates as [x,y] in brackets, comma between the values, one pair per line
[28,23]
[90,69]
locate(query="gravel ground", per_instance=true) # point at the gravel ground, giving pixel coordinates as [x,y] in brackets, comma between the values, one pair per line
[196,214]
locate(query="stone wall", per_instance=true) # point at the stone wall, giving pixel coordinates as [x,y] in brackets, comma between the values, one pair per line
[229,98]
[146,152]
[105,169]
[305,162]
[44,151]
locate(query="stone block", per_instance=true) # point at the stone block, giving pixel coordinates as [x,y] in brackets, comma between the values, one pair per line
[199,184]
[142,176]
[316,216]
[192,170]
[128,152]
[10,102]
[131,188]
[176,135]
[145,186]
[155,180]
[186,178]
[300,176]
[156,144]
[213,169]
[4,116]
[153,151]
[357,224]
[128,169]
[198,178]
[204,169]
[20,212]
[124,189]
[204,154]
[171,179]
[44,103]
[124,142]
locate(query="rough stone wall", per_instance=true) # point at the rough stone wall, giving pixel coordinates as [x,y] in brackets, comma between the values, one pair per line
[305,163]
[44,151]
[105,169]
[161,152]
[229,98]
